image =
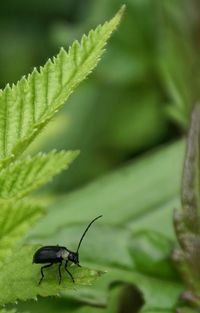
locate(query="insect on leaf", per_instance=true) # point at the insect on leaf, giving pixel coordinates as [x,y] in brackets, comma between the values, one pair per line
[19,279]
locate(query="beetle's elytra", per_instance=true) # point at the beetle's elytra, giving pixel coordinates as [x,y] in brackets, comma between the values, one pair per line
[57,254]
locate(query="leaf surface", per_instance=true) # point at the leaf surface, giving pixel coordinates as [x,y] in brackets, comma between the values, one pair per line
[25,108]
[134,201]
[138,195]
[16,218]
[7,311]
[25,175]
[19,278]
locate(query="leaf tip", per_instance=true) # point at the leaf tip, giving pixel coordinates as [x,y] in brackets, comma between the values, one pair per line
[122,9]
[76,153]
[119,14]
[97,273]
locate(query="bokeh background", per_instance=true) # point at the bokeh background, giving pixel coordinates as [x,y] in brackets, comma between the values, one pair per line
[135,104]
[138,97]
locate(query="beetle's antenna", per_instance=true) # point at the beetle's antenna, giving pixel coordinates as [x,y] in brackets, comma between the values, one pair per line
[87,230]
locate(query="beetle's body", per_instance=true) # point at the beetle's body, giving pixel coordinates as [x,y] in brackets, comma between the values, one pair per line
[50,255]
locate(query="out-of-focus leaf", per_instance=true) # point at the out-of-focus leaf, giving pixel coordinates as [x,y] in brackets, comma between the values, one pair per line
[187,310]
[180,56]
[50,305]
[7,311]
[127,199]
[154,310]
[135,126]
[151,253]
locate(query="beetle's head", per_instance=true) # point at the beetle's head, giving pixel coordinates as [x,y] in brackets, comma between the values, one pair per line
[74,258]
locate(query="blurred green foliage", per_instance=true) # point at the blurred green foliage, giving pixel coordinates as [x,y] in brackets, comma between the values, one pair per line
[139,97]
[134,239]
[151,68]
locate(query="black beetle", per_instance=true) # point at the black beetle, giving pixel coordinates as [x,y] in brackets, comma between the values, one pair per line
[57,254]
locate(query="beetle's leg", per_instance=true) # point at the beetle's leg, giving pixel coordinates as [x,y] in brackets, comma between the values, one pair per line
[59,267]
[69,272]
[42,274]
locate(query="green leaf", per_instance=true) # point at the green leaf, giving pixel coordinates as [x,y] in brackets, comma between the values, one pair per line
[108,248]
[16,219]
[19,278]
[134,199]
[179,59]
[137,193]
[48,304]
[154,310]
[187,310]
[27,107]
[27,174]
[7,311]
[124,297]
[157,263]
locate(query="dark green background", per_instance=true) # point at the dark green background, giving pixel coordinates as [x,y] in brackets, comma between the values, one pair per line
[141,93]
